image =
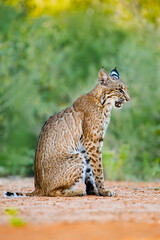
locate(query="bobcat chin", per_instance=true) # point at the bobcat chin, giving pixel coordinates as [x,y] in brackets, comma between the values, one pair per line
[70,142]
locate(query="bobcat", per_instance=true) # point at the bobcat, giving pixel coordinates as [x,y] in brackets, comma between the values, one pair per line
[70,142]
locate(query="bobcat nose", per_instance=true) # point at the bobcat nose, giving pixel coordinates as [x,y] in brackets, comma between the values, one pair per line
[127,97]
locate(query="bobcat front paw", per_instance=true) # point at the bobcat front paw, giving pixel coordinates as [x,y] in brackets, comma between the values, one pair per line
[107,193]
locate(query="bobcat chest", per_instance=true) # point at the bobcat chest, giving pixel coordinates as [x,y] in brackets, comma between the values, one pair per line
[105,122]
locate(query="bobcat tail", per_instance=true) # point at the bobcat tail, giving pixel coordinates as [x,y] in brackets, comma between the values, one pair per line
[19,194]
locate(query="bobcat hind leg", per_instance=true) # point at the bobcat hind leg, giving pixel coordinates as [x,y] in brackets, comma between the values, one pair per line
[71,174]
[67,193]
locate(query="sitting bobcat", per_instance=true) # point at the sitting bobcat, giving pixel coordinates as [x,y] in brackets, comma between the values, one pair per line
[70,143]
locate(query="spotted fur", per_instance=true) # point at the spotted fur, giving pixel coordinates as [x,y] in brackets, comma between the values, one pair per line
[70,143]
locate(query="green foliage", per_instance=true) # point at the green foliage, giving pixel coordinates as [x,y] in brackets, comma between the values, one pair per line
[11,211]
[13,217]
[17,222]
[47,61]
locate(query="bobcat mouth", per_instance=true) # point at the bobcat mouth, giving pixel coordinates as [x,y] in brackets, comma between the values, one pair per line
[118,104]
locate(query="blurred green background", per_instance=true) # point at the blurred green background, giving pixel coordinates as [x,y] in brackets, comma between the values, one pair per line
[51,52]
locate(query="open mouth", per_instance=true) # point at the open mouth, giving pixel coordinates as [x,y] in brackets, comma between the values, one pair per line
[118,104]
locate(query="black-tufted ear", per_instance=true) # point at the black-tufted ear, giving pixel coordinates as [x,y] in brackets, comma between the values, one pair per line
[114,74]
[103,76]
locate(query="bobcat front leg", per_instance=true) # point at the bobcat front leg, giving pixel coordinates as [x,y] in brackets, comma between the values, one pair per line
[96,176]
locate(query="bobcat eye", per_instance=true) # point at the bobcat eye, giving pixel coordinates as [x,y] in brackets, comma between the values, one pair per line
[120,90]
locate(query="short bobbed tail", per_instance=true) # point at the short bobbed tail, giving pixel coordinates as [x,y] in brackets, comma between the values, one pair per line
[20,194]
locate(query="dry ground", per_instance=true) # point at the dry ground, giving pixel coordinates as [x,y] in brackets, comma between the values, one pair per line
[134,213]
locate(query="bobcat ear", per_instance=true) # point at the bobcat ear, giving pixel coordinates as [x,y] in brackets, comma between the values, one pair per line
[103,76]
[114,73]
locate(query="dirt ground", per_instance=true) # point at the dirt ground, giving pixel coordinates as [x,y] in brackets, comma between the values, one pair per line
[134,213]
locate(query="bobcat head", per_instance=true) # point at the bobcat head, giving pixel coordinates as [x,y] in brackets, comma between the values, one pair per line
[113,89]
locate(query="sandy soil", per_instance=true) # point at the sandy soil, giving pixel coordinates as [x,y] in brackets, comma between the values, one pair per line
[134,213]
